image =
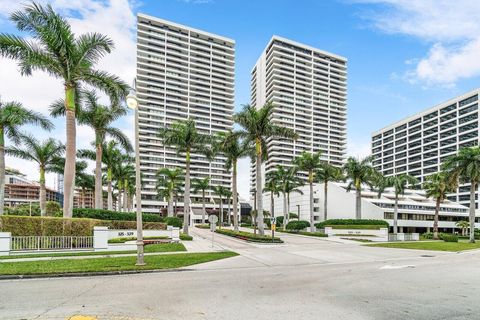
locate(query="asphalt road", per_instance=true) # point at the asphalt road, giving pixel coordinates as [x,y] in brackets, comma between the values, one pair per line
[306,278]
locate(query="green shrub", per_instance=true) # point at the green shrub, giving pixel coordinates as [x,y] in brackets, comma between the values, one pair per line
[53,226]
[351,222]
[297,225]
[245,225]
[249,236]
[185,237]
[306,233]
[114,215]
[279,220]
[358,226]
[174,222]
[203,226]
[450,238]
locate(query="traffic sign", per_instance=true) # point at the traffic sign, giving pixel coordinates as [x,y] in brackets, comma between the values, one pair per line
[273,220]
[212,219]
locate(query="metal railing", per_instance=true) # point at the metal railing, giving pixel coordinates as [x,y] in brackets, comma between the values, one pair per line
[27,243]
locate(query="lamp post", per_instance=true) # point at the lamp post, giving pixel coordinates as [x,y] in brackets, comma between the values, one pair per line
[132,103]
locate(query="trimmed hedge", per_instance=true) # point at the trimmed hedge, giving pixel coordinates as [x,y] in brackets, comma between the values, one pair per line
[114,215]
[296,225]
[174,222]
[249,236]
[306,233]
[450,238]
[351,222]
[358,226]
[52,226]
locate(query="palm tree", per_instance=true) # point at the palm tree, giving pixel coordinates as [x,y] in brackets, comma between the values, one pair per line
[309,162]
[45,154]
[168,182]
[55,49]
[221,192]
[379,183]
[201,185]
[110,156]
[359,171]
[228,196]
[99,118]
[272,186]
[465,166]
[327,173]
[123,173]
[288,182]
[437,186]
[12,116]
[184,136]
[257,127]
[463,225]
[399,184]
[85,182]
[233,149]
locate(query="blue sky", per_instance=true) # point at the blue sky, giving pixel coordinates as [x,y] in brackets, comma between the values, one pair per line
[403,55]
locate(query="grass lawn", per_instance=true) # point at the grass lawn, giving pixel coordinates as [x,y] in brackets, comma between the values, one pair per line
[164,247]
[109,264]
[430,245]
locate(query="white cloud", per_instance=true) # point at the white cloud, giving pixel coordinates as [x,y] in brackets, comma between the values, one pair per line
[450,26]
[114,18]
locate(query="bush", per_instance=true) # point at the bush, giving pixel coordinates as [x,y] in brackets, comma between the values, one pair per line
[245,225]
[297,225]
[185,237]
[450,238]
[52,226]
[174,222]
[114,215]
[351,222]
[249,236]
[306,233]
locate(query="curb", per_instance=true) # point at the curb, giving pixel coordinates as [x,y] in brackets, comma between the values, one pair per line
[87,274]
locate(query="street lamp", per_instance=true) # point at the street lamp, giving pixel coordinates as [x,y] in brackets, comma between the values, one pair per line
[132,103]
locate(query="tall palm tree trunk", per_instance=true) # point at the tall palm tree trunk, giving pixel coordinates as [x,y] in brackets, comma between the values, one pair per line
[258,165]
[43,193]
[2,170]
[435,221]
[312,227]
[70,153]
[186,196]
[109,190]
[119,198]
[125,196]
[170,205]
[228,213]
[473,186]
[98,177]
[235,196]
[395,215]
[325,201]
[204,211]
[285,210]
[272,205]
[358,204]
[220,214]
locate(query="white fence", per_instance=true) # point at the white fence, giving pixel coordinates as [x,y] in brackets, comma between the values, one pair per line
[26,243]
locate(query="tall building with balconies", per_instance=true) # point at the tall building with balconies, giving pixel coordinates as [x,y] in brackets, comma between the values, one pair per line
[418,145]
[181,73]
[308,87]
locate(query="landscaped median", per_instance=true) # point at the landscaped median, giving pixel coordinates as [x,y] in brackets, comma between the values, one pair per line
[249,236]
[430,245]
[108,265]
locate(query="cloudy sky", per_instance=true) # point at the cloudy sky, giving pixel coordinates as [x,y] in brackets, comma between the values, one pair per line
[404,55]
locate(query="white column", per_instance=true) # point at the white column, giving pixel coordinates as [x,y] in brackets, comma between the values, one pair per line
[5,242]
[100,238]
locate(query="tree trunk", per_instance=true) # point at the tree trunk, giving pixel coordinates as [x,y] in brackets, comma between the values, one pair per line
[325,201]
[395,215]
[204,211]
[82,198]
[98,176]
[312,227]
[435,221]
[109,190]
[43,193]
[119,197]
[70,153]
[473,186]
[170,205]
[229,220]
[220,213]
[358,204]
[125,196]
[272,205]
[2,170]
[261,230]
[235,196]
[186,196]
[285,210]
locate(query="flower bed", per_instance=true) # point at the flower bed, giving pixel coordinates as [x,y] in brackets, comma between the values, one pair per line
[247,236]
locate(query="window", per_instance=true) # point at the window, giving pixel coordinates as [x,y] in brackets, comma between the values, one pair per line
[415,136]
[401,134]
[400,128]
[415,144]
[430,154]
[468,127]
[414,122]
[431,123]
[448,141]
[448,109]
[400,149]
[448,133]
[468,144]
[468,109]
[401,141]
[388,146]
[430,147]
[468,100]
[377,137]
[387,133]
[448,125]
[469,135]
[468,118]
[413,130]
[448,117]
[414,151]
[430,116]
